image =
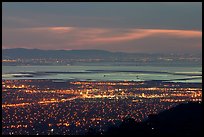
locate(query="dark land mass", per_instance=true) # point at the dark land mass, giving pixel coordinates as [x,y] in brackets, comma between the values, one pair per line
[59,54]
[21,56]
[182,120]
[74,54]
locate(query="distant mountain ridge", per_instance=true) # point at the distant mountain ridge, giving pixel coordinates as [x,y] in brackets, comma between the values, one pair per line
[71,54]
[37,53]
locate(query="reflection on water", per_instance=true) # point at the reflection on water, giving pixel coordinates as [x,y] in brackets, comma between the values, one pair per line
[104,73]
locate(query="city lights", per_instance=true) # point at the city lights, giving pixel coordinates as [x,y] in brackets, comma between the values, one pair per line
[83,104]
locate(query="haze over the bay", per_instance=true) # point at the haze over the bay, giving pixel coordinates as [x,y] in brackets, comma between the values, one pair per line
[124,27]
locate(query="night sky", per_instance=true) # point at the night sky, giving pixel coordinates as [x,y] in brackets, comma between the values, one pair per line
[127,27]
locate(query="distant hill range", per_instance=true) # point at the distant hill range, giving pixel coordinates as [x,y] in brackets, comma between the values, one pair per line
[71,54]
[37,53]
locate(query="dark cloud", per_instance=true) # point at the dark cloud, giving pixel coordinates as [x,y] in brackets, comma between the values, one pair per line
[142,15]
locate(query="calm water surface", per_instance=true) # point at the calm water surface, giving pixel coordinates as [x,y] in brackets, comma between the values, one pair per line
[112,73]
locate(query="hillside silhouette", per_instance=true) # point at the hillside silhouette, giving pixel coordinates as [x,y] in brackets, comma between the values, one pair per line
[182,120]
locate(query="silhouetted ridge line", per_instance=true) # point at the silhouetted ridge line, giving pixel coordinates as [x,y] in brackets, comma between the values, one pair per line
[182,120]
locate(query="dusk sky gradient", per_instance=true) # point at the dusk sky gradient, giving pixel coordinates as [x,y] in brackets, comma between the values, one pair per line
[125,27]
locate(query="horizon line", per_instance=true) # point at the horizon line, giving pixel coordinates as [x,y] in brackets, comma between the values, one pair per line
[100,50]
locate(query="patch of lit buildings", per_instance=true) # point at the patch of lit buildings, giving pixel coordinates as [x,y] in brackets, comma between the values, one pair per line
[78,106]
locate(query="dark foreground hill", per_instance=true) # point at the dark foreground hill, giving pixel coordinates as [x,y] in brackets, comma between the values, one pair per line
[183,120]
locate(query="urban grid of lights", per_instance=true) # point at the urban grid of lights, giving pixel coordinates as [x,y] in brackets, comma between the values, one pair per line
[82,105]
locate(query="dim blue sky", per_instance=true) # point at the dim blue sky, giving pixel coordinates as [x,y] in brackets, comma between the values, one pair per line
[127,27]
